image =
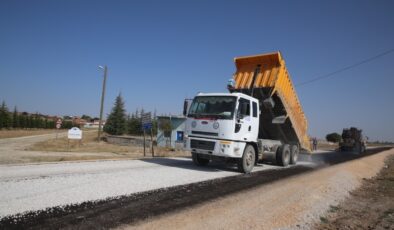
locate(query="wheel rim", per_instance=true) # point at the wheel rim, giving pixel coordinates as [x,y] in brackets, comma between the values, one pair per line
[295,157]
[287,156]
[249,158]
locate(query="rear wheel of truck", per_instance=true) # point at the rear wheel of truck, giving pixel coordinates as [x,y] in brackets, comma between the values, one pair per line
[357,148]
[246,163]
[283,155]
[197,160]
[294,151]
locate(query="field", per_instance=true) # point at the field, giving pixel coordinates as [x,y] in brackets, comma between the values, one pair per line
[24,132]
[89,144]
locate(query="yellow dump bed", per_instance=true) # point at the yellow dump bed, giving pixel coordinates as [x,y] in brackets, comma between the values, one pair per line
[265,77]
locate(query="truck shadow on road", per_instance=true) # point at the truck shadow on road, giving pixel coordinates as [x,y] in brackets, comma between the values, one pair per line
[187,163]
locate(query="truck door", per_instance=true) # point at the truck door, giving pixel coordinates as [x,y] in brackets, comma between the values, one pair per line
[244,121]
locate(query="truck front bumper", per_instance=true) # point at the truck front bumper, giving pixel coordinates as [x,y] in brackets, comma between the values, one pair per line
[215,147]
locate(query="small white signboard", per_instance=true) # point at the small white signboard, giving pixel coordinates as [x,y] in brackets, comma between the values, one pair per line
[75,133]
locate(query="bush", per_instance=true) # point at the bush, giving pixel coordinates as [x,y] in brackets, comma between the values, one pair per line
[333,137]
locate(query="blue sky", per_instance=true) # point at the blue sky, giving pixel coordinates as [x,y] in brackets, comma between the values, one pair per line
[159,52]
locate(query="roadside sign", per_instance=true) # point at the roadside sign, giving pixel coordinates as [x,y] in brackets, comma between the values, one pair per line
[147,126]
[58,126]
[59,121]
[75,133]
[146,120]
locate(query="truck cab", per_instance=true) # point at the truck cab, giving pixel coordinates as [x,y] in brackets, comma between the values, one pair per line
[221,125]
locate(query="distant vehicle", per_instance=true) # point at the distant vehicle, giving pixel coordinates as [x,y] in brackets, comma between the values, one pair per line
[353,140]
[261,116]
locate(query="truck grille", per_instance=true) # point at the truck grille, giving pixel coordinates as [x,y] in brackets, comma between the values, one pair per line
[205,133]
[205,145]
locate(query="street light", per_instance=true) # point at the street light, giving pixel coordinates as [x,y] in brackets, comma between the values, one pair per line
[102,100]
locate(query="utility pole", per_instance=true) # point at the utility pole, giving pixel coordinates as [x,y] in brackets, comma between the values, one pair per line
[102,101]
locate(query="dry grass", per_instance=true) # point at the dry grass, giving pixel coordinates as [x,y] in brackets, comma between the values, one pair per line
[89,144]
[327,145]
[24,132]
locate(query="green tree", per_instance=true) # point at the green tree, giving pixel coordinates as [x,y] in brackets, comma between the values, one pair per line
[134,126]
[86,117]
[333,137]
[116,121]
[15,118]
[50,124]
[67,124]
[23,120]
[154,126]
[30,121]
[166,127]
[5,117]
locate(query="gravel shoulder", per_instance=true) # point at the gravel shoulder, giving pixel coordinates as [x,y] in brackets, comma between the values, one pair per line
[371,206]
[292,203]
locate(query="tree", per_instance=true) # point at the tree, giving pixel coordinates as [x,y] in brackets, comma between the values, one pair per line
[134,126]
[15,119]
[116,121]
[166,127]
[5,118]
[23,120]
[333,137]
[154,126]
[86,117]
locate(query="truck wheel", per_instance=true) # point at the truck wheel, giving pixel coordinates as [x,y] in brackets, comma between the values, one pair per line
[246,163]
[357,148]
[294,154]
[283,155]
[197,160]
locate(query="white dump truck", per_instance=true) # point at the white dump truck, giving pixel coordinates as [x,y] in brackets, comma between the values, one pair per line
[259,117]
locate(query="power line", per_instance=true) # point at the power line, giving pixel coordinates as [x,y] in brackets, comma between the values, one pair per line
[346,68]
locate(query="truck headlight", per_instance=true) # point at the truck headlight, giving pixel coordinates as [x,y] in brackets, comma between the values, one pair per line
[216,125]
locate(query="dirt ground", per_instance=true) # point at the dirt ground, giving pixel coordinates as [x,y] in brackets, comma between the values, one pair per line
[89,144]
[46,148]
[24,132]
[369,207]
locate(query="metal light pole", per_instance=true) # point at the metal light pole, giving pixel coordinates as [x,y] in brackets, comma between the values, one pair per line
[102,101]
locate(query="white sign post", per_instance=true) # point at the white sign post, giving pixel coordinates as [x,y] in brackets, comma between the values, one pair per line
[58,126]
[74,134]
[147,124]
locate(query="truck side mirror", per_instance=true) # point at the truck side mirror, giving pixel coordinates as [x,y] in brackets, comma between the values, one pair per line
[185,106]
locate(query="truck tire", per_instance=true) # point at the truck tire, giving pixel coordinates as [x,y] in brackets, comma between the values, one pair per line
[357,148]
[246,163]
[294,151]
[283,155]
[197,160]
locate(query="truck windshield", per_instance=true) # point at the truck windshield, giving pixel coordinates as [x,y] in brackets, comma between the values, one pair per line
[219,107]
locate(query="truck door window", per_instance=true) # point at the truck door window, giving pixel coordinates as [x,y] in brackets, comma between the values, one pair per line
[254,109]
[244,107]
